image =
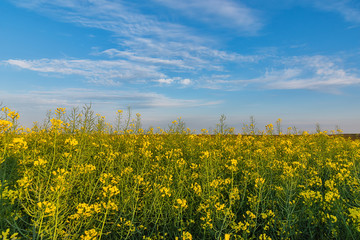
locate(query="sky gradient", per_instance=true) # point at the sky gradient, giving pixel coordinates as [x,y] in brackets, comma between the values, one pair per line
[193,59]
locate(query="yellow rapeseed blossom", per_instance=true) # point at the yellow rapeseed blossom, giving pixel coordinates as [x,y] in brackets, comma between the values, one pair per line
[60,111]
[241,227]
[109,191]
[110,205]
[181,203]
[13,115]
[40,162]
[48,207]
[5,235]
[219,206]
[24,182]
[91,234]
[56,123]
[85,210]
[5,125]
[259,182]
[250,214]
[186,236]
[197,188]
[71,141]
[264,237]
[165,192]
[18,144]
[355,215]
[85,168]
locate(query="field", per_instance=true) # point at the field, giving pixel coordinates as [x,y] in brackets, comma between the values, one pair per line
[75,178]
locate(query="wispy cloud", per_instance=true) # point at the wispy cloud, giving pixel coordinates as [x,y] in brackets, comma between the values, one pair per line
[225,13]
[300,72]
[175,80]
[190,55]
[124,20]
[72,97]
[105,72]
[312,72]
[146,43]
[114,53]
[350,10]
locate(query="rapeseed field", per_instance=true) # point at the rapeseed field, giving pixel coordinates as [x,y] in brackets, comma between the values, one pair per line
[78,177]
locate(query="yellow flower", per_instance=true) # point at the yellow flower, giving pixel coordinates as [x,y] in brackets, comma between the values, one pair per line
[259,182]
[234,194]
[86,168]
[250,214]
[110,206]
[204,131]
[59,111]
[165,192]
[13,115]
[181,203]
[19,143]
[71,141]
[56,123]
[110,191]
[48,207]
[5,125]
[90,235]
[197,188]
[40,162]
[355,215]
[5,235]
[66,155]
[24,182]
[264,237]
[219,206]
[186,236]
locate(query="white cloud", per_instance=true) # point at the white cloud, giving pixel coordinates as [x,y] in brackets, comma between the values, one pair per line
[310,72]
[100,72]
[185,55]
[185,81]
[104,72]
[175,80]
[227,13]
[146,40]
[71,97]
[319,73]
[350,10]
[166,80]
[124,20]
[300,72]
[152,60]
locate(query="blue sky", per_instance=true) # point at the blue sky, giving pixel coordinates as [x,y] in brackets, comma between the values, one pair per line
[195,59]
